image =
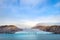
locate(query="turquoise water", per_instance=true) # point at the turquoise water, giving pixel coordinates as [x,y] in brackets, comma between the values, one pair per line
[31,36]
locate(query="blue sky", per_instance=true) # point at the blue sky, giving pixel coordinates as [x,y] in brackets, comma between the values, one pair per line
[29,12]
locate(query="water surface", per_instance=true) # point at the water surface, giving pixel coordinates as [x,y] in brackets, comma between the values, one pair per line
[30,36]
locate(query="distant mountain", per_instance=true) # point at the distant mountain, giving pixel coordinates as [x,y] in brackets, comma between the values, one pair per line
[48,24]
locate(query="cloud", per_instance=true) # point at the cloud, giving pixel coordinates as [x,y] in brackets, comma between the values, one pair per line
[28,12]
[48,19]
[31,22]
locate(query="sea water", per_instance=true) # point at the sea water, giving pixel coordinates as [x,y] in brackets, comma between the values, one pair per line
[30,36]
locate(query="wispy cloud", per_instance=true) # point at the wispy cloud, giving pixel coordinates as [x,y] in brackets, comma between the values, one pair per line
[29,12]
[29,22]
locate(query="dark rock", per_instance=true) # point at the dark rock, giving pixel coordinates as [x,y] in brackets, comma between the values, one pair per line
[53,28]
[9,29]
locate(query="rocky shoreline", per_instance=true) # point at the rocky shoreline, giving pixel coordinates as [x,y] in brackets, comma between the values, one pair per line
[53,28]
[9,29]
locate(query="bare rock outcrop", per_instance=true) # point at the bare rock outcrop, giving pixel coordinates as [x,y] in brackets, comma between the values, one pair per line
[53,28]
[9,29]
